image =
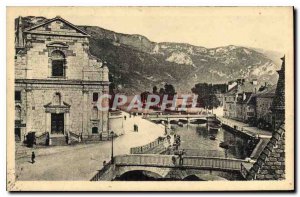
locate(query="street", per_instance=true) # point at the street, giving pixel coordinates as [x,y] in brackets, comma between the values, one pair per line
[81,162]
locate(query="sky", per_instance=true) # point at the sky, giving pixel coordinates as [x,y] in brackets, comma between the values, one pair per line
[264,28]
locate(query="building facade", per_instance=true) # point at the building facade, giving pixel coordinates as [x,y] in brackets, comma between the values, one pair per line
[264,102]
[240,100]
[229,104]
[58,83]
[245,106]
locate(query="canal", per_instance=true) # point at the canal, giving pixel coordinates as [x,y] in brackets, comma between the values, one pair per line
[196,140]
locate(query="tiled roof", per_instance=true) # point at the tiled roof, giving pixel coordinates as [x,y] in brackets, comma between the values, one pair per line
[270,164]
[268,93]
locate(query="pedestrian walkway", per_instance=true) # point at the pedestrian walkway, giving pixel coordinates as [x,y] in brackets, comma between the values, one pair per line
[245,128]
[80,162]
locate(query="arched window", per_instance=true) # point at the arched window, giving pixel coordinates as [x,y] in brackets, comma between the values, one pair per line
[94,130]
[57,98]
[58,63]
[95,113]
[18,113]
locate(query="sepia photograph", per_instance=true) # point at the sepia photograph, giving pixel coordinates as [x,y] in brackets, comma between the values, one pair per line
[150,98]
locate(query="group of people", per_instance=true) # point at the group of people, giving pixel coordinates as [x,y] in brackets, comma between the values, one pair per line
[177,141]
[179,154]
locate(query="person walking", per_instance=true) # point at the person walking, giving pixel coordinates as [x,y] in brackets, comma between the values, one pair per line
[32,157]
[181,153]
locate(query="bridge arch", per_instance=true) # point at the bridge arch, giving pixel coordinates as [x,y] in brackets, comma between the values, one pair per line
[192,177]
[150,172]
[203,177]
[138,175]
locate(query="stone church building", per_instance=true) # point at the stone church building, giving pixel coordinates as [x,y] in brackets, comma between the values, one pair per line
[57,84]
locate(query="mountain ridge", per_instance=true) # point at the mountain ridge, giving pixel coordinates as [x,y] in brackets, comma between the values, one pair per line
[137,64]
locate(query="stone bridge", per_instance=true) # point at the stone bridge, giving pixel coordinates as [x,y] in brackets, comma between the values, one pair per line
[185,117]
[163,167]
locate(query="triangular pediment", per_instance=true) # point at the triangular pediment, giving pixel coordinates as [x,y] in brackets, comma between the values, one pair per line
[57,26]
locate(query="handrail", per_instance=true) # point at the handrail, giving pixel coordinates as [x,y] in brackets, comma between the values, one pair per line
[145,148]
[74,134]
[189,161]
[98,175]
[42,135]
[205,153]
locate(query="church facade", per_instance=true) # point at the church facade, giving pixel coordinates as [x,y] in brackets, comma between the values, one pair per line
[58,83]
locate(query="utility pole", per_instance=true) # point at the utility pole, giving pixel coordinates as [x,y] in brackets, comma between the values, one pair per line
[112,146]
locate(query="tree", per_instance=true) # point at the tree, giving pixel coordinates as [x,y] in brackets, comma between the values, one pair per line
[211,101]
[161,91]
[154,90]
[170,90]
[206,97]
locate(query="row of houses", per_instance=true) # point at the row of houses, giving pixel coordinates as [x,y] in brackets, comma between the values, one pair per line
[250,102]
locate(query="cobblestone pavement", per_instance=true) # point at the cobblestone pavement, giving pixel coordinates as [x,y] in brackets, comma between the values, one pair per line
[81,162]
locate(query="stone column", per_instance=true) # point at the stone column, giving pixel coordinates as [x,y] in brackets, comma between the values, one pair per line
[28,110]
[67,126]
[48,126]
[104,117]
[85,112]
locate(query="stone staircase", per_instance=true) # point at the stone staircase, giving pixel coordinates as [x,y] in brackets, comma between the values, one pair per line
[58,140]
[41,139]
[74,138]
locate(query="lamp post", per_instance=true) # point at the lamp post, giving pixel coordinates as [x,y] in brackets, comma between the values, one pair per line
[112,146]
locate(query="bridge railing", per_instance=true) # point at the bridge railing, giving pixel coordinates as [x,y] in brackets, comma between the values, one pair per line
[98,175]
[147,147]
[144,160]
[205,153]
[212,163]
[174,161]
[196,115]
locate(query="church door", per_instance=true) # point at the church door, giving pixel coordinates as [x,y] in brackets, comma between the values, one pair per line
[57,123]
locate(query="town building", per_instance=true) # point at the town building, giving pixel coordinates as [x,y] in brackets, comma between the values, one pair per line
[58,83]
[229,103]
[240,100]
[245,106]
[264,101]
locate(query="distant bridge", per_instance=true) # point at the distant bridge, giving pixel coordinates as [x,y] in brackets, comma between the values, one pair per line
[170,117]
[163,167]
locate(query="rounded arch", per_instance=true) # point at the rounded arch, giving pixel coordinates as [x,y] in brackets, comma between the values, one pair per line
[58,61]
[138,175]
[203,177]
[57,54]
[192,177]
[94,130]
